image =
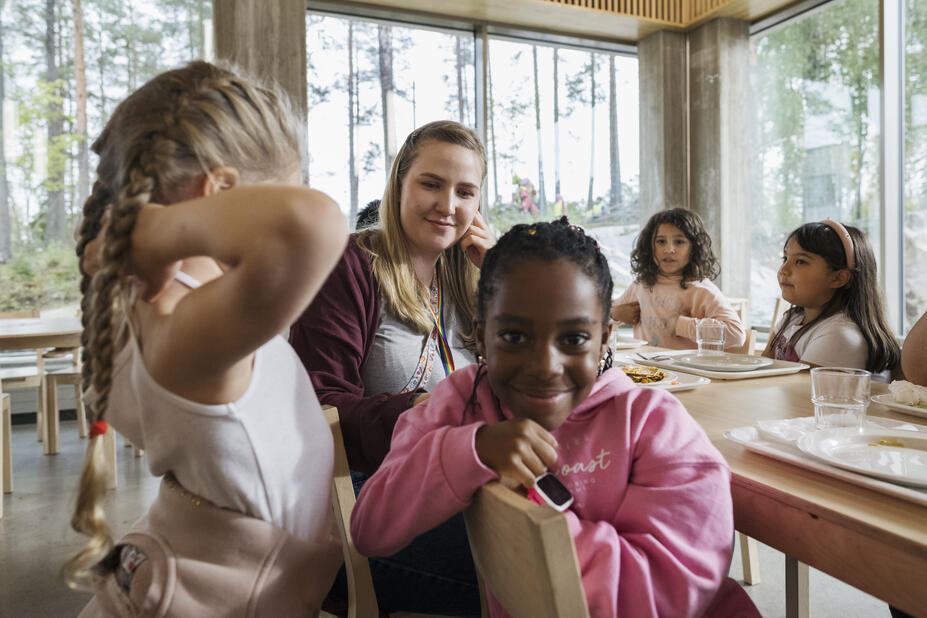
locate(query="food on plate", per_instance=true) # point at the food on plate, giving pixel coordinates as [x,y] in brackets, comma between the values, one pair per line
[643,374]
[908,394]
[888,442]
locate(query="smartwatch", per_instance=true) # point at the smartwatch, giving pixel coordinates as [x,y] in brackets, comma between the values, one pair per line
[550,491]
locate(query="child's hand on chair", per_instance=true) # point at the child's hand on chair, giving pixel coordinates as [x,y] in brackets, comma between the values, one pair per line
[518,448]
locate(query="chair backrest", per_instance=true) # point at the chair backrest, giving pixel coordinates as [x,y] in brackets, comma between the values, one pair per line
[779,308]
[749,345]
[524,554]
[12,315]
[362,600]
[742,307]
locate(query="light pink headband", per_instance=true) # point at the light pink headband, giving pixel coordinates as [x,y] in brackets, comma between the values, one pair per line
[844,236]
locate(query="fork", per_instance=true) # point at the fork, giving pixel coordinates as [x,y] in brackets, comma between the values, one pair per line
[655,357]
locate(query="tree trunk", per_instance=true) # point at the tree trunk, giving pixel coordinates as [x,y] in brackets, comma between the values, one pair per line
[542,199]
[461,96]
[55,215]
[387,95]
[614,166]
[80,88]
[492,134]
[6,222]
[201,19]
[131,61]
[352,97]
[557,195]
[591,129]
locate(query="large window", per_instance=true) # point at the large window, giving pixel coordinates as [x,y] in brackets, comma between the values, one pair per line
[563,140]
[561,129]
[816,125]
[53,106]
[370,84]
[914,216]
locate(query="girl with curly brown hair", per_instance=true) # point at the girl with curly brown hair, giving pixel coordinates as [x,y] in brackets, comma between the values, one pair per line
[673,264]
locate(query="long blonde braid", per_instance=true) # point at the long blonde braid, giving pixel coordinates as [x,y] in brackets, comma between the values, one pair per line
[180,125]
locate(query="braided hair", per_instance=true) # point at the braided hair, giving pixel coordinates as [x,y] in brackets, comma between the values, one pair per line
[547,242]
[159,142]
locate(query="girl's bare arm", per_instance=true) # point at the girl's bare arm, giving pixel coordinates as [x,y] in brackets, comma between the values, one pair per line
[277,245]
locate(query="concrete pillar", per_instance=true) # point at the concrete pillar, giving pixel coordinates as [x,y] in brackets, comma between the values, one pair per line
[663,133]
[719,144]
[268,40]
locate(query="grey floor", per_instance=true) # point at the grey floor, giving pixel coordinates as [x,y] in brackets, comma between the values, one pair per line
[35,537]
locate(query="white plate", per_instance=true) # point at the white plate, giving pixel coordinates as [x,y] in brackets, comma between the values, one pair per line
[682,382]
[887,401]
[724,362]
[667,360]
[751,439]
[897,456]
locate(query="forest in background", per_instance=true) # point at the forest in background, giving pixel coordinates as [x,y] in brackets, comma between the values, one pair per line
[65,65]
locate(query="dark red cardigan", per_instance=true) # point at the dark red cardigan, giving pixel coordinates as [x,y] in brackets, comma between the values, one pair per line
[333,337]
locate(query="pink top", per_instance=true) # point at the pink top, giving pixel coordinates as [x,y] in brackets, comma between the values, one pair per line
[652,518]
[669,312]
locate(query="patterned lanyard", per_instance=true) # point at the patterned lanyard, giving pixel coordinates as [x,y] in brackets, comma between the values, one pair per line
[447,358]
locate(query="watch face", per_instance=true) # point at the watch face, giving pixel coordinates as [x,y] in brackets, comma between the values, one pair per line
[555,491]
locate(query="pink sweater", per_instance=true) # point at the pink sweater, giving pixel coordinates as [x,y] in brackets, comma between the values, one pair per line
[669,312]
[652,518]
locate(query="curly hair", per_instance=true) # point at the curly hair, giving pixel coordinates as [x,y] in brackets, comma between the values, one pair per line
[702,262]
[860,299]
[548,242]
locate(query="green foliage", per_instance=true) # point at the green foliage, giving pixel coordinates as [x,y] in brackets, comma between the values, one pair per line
[46,277]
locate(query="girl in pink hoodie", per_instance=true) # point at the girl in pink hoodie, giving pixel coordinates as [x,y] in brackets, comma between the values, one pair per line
[652,517]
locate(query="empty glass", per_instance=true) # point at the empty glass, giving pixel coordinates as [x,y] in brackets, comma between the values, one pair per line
[709,335]
[840,396]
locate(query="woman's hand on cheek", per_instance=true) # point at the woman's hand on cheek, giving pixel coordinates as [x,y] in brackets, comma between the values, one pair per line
[477,240]
[517,448]
[146,267]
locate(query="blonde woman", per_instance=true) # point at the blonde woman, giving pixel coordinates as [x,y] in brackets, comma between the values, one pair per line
[393,320]
[181,320]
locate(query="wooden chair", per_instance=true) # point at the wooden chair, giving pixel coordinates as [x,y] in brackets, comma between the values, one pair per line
[742,306]
[524,554]
[749,345]
[6,456]
[362,598]
[779,309]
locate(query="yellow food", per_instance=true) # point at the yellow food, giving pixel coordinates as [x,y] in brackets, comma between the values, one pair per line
[643,374]
[888,442]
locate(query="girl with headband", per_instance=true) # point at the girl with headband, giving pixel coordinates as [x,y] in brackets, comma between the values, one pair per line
[829,275]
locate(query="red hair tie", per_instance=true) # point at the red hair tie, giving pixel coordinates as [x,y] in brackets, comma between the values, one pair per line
[97,429]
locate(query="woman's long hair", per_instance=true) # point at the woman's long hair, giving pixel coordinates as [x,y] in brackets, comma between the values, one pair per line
[860,299]
[406,298]
[165,136]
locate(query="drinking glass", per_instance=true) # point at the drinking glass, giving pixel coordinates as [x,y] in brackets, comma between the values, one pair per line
[709,335]
[840,396]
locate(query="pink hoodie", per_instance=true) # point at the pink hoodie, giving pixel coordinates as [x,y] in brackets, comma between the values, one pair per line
[652,517]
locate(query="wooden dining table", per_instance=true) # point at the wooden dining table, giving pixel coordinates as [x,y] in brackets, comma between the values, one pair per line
[870,540]
[34,333]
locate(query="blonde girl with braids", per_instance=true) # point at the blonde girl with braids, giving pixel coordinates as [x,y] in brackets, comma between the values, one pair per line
[209,249]
[393,320]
